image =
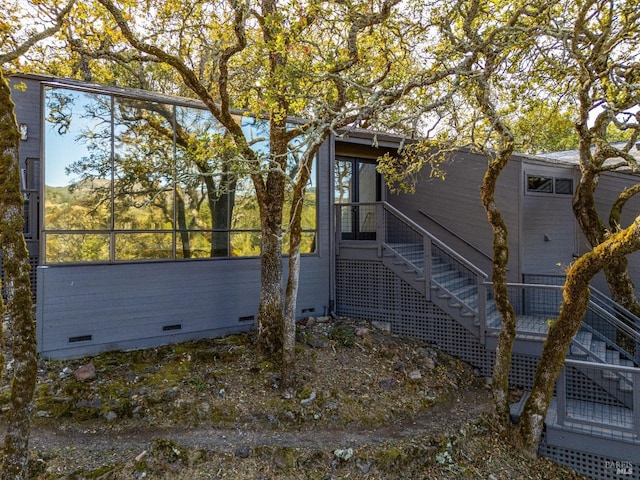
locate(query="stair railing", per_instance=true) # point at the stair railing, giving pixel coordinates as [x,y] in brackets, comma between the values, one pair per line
[396,228]
[456,236]
[582,406]
[622,326]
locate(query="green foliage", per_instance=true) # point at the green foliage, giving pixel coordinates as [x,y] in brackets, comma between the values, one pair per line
[404,171]
[541,128]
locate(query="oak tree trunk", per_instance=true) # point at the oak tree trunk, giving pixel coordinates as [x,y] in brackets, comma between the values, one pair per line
[18,292]
[293,281]
[617,275]
[270,314]
[502,365]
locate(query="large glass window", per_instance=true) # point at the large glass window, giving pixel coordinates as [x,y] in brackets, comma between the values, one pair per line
[77,192]
[129,179]
[77,176]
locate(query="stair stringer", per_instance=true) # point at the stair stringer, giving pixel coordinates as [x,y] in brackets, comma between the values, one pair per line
[432,291]
[406,271]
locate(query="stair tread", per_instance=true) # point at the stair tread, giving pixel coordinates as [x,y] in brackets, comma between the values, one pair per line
[612,357]
[599,349]
[584,339]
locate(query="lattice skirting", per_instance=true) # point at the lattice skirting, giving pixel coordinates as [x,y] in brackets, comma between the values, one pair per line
[369,291]
[592,465]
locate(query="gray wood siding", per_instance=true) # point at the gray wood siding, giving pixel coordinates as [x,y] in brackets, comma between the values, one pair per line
[127,306]
[549,230]
[27,109]
[455,203]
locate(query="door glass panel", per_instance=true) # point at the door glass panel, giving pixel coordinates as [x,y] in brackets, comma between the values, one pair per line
[343,193]
[343,180]
[367,195]
[367,185]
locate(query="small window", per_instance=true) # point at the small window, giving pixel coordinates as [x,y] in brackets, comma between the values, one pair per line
[558,186]
[564,186]
[539,184]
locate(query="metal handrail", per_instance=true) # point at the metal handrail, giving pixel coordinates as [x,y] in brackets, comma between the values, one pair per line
[443,246]
[619,370]
[607,302]
[448,230]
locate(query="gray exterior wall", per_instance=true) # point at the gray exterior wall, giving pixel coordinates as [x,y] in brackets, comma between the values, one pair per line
[85,309]
[26,97]
[549,236]
[543,233]
[455,212]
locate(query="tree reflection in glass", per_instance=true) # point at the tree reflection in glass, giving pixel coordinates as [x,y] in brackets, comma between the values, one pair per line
[133,179]
[77,175]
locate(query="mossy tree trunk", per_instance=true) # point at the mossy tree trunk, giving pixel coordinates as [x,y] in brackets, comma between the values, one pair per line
[270,314]
[19,306]
[502,365]
[498,160]
[616,272]
[575,300]
[606,84]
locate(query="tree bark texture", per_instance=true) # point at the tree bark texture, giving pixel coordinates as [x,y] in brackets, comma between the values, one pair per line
[620,283]
[502,365]
[270,315]
[293,280]
[271,199]
[497,162]
[18,291]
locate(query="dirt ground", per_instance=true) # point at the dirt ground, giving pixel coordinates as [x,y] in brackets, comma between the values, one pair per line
[368,405]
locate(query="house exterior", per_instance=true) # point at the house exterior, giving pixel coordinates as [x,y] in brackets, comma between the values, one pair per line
[128,255]
[139,237]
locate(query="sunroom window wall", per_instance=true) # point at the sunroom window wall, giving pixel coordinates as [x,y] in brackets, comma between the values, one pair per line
[128,179]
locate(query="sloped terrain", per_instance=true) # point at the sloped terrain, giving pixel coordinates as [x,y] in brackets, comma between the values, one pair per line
[369,405]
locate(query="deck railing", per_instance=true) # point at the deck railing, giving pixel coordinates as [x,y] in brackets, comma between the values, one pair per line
[534,305]
[620,327]
[584,403]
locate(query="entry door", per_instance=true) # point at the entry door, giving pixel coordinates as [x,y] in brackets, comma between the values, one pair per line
[357,182]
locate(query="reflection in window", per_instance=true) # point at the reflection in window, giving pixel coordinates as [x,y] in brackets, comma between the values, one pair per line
[564,186]
[143,165]
[307,243]
[76,247]
[129,179]
[539,184]
[245,244]
[246,214]
[77,174]
[144,246]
